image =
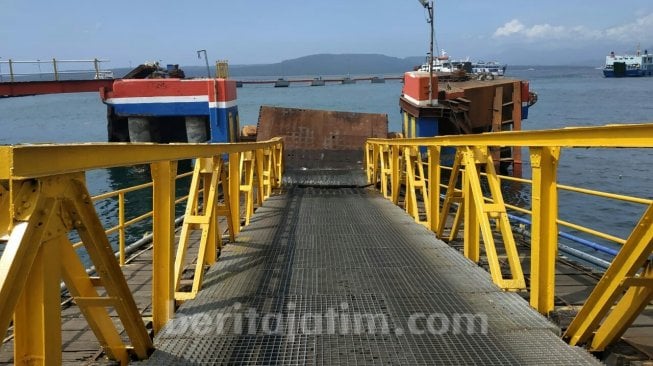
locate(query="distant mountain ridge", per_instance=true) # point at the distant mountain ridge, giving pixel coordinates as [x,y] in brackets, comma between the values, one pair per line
[320,64]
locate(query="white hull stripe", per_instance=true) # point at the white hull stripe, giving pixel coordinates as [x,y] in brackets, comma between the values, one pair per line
[228,104]
[420,103]
[171,99]
[176,99]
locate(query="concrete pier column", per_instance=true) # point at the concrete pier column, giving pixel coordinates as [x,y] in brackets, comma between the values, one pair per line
[196,129]
[139,129]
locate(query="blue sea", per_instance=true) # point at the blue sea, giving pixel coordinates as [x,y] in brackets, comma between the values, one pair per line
[568,97]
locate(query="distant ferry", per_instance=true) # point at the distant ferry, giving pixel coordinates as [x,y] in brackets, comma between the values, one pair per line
[628,65]
[443,64]
[490,67]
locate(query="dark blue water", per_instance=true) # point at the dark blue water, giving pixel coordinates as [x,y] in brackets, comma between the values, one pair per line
[568,96]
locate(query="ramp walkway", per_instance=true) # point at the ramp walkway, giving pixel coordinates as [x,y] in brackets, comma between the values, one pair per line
[342,276]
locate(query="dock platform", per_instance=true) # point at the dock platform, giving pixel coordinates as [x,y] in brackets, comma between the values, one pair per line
[342,276]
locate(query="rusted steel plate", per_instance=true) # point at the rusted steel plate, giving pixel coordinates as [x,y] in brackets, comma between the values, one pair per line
[318,139]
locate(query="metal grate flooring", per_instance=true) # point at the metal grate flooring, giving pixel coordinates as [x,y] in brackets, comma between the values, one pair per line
[342,276]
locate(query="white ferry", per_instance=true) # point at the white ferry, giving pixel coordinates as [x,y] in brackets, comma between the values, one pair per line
[628,65]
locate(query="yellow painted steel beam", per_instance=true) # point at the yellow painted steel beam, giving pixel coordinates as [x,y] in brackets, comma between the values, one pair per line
[624,266]
[79,284]
[163,198]
[472,228]
[32,161]
[82,212]
[37,318]
[5,212]
[434,187]
[496,211]
[450,195]
[638,296]
[234,190]
[395,173]
[622,135]
[18,256]
[544,228]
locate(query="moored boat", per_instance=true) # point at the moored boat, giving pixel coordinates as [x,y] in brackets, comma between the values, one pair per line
[628,65]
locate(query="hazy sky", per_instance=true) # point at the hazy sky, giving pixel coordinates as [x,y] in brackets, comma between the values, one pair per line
[266,31]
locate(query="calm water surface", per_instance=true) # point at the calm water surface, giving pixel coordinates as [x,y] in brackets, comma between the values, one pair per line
[568,96]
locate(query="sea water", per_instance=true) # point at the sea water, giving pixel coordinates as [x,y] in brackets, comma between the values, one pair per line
[567,97]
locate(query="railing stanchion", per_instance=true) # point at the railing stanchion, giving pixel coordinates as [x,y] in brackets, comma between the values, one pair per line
[121,226]
[55,70]
[434,187]
[234,190]
[544,229]
[163,231]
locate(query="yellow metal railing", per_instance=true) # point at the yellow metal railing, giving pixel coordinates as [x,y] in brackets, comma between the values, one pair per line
[123,222]
[44,197]
[627,285]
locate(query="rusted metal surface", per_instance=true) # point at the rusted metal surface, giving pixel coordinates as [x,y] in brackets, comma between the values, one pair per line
[318,139]
[15,89]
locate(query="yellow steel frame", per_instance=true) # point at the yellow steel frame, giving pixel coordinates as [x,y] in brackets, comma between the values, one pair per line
[207,175]
[627,286]
[628,282]
[43,197]
[478,213]
[45,210]
[415,185]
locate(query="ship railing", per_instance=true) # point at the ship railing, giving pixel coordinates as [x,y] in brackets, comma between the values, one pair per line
[32,70]
[45,203]
[405,170]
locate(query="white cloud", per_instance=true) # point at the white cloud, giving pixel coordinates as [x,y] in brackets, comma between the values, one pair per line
[512,27]
[640,29]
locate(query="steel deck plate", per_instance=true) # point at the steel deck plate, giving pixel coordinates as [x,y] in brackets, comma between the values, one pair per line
[342,276]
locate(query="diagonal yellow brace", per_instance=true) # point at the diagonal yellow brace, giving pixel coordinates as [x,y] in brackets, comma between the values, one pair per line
[204,218]
[410,200]
[79,284]
[638,296]
[247,183]
[497,211]
[450,194]
[625,265]
[80,207]
[19,254]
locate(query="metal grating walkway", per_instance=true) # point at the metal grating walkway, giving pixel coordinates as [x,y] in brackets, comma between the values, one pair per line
[342,276]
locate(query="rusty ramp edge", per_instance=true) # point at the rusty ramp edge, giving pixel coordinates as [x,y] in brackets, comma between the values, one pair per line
[321,148]
[320,139]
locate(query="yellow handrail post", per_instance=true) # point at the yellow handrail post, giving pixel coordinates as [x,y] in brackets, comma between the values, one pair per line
[395,174]
[471,230]
[544,228]
[121,226]
[234,190]
[163,257]
[434,187]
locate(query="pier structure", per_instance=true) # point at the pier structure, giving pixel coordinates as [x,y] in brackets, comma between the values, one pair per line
[318,274]
[321,80]
[53,77]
